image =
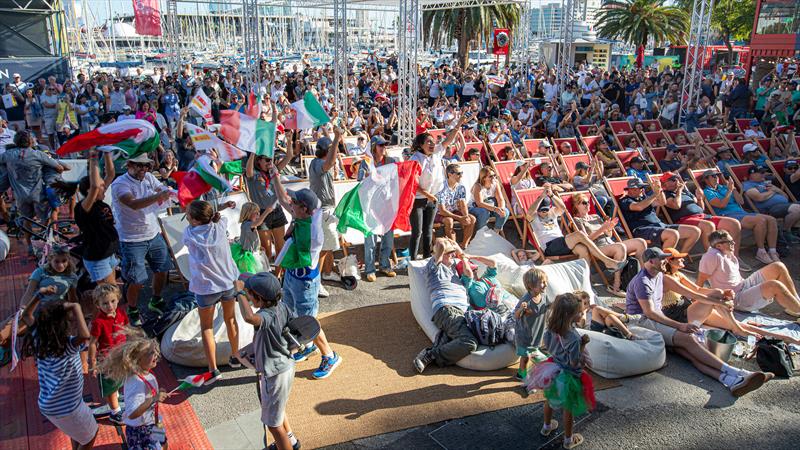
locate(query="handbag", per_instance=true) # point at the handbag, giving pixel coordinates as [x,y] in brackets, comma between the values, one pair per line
[773,355]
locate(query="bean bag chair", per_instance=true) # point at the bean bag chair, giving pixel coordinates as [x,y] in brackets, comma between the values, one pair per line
[617,358]
[182,343]
[5,245]
[484,358]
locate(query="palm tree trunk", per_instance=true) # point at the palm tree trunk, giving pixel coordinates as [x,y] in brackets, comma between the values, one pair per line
[463,39]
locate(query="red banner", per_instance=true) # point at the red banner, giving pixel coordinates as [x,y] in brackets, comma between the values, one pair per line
[502,38]
[148,17]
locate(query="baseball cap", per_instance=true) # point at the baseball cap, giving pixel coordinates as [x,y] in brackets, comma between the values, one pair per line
[581,165]
[126,108]
[791,163]
[654,253]
[460,267]
[615,106]
[265,284]
[750,147]
[16,75]
[307,197]
[545,143]
[482,115]
[674,253]
[637,159]
[723,150]
[378,140]
[545,204]
[635,183]
[505,112]
[755,169]
[668,176]
[673,148]
[711,172]
[754,123]
[547,105]
[324,143]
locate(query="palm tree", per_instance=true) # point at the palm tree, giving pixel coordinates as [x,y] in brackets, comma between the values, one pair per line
[443,26]
[635,21]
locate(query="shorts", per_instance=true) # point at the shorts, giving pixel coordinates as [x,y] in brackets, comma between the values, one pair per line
[275,219]
[557,247]
[79,425]
[49,125]
[301,295]
[134,255]
[330,235]
[101,269]
[208,300]
[274,396]
[779,211]
[694,219]
[107,385]
[678,311]
[652,233]
[739,215]
[33,209]
[643,321]
[749,297]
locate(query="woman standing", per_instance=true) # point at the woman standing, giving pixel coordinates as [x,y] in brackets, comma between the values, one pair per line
[33,112]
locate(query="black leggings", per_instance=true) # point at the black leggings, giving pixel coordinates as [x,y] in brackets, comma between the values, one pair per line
[422,215]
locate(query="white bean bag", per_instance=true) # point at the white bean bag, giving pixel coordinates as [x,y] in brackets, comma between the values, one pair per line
[617,358]
[182,343]
[5,245]
[484,358]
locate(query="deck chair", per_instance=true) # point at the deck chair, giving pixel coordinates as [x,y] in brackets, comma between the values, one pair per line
[738,148]
[616,187]
[469,146]
[657,154]
[715,146]
[305,162]
[587,130]
[568,162]
[621,126]
[765,145]
[498,150]
[526,198]
[172,228]
[696,174]
[572,142]
[532,146]
[350,166]
[437,134]
[673,134]
[777,171]
[624,158]
[504,170]
[709,134]
[651,138]
[622,138]
[738,173]
[649,122]
[743,124]
[733,136]
[590,142]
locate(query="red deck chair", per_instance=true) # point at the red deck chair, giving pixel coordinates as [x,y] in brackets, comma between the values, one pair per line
[733,136]
[589,143]
[437,134]
[504,170]
[657,154]
[498,150]
[568,162]
[696,174]
[715,146]
[743,124]
[526,198]
[622,138]
[708,133]
[621,126]
[350,167]
[764,144]
[738,173]
[532,145]
[616,187]
[587,130]
[649,122]
[777,172]
[652,137]
[624,158]
[673,134]
[738,148]
[470,145]
[572,141]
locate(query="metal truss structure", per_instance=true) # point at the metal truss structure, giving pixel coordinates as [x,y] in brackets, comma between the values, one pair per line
[566,52]
[173,40]
[408,77]
[340,56]
[523,38]
[695,55]
[252,45]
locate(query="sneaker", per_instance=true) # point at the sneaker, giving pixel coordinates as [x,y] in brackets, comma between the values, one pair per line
[215,375]
[302,356]
[744,267]
[274,446]
[775,256]
[748,383]
[116,418]
[763,256]
[371,277]
[326,367]
[520,375]
[133,316]
[389,273]
[234,362]
[157,305]
[423,359]
[323,293]
[333,276]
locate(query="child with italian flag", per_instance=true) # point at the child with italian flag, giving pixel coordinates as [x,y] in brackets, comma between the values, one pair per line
[300,258]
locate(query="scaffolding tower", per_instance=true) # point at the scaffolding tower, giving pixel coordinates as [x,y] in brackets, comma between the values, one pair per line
[408,79]
[340,56]
[252,44]
[695,55]
[173,40]
[566,51]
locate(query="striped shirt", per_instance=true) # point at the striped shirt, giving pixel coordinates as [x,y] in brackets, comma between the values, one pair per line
[61,381]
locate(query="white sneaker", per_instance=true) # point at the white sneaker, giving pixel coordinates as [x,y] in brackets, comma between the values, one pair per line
[775,256]
[744,267]
[323,293]
[333,276]
[763,256]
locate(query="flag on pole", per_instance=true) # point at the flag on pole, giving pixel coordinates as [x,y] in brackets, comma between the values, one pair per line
[204,140]
[304,247]
[309,113]
[382,201]
[253,108]
[196,182]
[193,381]
[147,17]
[201,104]
[248,133]
[133,137]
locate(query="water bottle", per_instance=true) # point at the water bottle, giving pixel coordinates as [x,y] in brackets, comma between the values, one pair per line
[700,335]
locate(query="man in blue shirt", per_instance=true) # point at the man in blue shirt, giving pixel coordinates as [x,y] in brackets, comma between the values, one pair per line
[643,306]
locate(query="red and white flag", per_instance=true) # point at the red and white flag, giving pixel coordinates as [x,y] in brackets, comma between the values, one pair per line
[147,17]
[201,104]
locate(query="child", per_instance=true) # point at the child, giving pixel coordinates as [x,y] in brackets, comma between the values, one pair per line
[131,363]
[107,332]
[566,384]
[247,251]
[60,370]
[602,318]
[485,291]
[213,273]
[273,360]
[529,316]
[55,281]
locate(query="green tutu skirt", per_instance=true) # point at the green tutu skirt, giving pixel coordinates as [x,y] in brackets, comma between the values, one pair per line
[571,392]
[246,261]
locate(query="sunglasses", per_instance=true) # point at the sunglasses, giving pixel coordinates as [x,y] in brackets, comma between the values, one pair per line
[141,165]
[544,210]
[457,173]
[584,202]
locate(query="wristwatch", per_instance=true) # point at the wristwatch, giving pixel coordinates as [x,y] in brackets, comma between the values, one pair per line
[241,292]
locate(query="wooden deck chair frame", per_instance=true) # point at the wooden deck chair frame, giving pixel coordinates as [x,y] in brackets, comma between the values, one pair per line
[738,172]
[673,134]
[532,145]
[777,172]
[590,143]
[583,130]
[646,123]
[613,186]
[621,126]
[504,171]
[651,138]
[568,162]
[743,124]
[573,141]
[526,198]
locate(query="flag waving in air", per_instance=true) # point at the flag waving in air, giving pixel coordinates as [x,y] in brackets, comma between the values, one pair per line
[382,201]
[206,140]
[193,381]
[196,182]
[248,133]
[309,113]
[133,137]
[201,104]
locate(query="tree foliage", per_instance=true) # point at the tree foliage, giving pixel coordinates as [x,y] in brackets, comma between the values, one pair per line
[635,21]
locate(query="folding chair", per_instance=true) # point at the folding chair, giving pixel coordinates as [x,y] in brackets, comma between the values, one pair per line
[651,138]
[616,187]
[568,162]
[738,173]
[587,130]
[715,146]
[696,175]
[623,138]
[469,146]
[708,134]
[673,134]
[572,142]
[624,158]
[590,142]
[738,148]
[499,150]
[532,146]
[437,134]
[526,198]
[777,173]
[350,167]
[765,145]
[657,154]
[733,136]
[305,162]
[504,170]
[649,122]
[743,124]
[621,126]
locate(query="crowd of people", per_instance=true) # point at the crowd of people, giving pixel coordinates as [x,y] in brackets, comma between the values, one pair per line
[606,170]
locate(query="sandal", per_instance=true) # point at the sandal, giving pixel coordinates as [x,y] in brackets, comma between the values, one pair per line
[616,292]
[577,439]
[545,431]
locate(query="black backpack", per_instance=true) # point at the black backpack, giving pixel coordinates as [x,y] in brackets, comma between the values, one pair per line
[632,267]
[773,355]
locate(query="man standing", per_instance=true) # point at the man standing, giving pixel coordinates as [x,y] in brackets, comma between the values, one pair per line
[137,197]
[643,306]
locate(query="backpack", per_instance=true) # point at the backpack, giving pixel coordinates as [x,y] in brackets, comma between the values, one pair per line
[773,355]
[632,267]
[487,326]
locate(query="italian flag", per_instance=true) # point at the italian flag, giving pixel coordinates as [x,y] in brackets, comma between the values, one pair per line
[382,201]
[248,133]
[302,249]
[133,137]
[309,113]
[193,381]
[196,182]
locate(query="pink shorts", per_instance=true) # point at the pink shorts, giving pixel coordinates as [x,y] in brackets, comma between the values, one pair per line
[694,219]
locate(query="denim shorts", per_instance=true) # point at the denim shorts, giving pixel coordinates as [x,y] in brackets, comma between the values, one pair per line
[204,301]
[134,255]
[99,270]
[300,295]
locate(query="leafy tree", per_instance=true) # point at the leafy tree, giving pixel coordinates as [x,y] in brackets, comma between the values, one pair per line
[635,21]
